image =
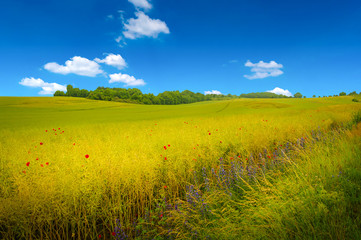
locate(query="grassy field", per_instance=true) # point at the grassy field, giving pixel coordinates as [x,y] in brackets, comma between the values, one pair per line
[74,168]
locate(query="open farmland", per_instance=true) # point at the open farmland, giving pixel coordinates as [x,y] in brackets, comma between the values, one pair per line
[73,168]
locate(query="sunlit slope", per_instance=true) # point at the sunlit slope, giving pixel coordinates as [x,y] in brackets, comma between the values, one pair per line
[87,159]
[18,112]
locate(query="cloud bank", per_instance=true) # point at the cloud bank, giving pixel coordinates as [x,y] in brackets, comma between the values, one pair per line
[113,60]
[216,92]
[280,91]
[125,78]
[144,26]
[263,69]
[47,88]
[77,65]
[141,4]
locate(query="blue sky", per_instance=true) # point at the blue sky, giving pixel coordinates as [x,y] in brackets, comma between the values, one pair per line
[233,46]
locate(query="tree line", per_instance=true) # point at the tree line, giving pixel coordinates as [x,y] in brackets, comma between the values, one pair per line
[134,95]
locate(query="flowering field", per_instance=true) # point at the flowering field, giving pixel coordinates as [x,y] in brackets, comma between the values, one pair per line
[248,168]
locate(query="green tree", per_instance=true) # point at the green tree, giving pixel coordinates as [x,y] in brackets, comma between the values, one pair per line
[298,95]
[314,96]
[69,90]
[59,94]
[342,94]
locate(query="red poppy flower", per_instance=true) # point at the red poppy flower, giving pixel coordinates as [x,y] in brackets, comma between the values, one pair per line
[161,215]
[239,156]
[41,165]
[74,144]
[56,134]
[59,128]
[37,158]
[27,164]
[100,236]
[216,129]
[46,130]
[220,141]
[168,145]
[165,186]
[113,233]
[87,156]
[62,131]
[24,172]
[209,133]
[41,143]
[47,163]
[165,158]
[269,156]
[165,148]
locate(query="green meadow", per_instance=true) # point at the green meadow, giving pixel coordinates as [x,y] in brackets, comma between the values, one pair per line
[73,168]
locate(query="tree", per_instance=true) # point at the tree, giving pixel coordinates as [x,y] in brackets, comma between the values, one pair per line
[298,95]
[59,94]
[314,96]
[69,90]
[352,93]
[342,94]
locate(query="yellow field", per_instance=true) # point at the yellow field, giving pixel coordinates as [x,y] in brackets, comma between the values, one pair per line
[135,154]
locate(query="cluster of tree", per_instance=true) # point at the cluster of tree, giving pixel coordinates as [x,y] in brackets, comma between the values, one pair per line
[73,92]
[134,95]
[354,93]
[263,95]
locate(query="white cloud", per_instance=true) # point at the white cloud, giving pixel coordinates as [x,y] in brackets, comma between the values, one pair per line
[110,17]
[125,78]
[118,39]
[47,88]
[141,4]
[77,65]
[261,64]
[264,69]
[216,92]
[113,60]
[143,25]
[280,91]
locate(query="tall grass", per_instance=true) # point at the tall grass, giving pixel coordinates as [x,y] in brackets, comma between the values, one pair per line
[312,193]
[131,169]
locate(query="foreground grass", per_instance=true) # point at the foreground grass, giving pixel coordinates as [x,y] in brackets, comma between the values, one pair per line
[312,195]
[131,168]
